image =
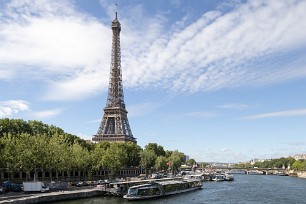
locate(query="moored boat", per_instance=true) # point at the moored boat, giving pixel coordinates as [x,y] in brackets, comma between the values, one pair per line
[282,173]
[194,176]
[256,172]
[228,177]
[219,177]
[162,188]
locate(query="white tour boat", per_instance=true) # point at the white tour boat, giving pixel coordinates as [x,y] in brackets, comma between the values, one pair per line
[219,177]
[162,188]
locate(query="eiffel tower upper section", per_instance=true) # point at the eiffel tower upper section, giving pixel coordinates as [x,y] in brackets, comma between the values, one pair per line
[115,126]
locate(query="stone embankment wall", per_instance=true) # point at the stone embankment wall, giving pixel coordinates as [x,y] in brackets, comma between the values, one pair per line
[301,174]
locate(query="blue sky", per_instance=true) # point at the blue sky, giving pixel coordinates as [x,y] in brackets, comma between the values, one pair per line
[218,80]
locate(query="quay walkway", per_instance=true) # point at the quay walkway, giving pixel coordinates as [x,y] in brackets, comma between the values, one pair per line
[50,196]
[109,189]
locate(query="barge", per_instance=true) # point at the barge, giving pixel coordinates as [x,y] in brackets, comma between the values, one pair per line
[162,188]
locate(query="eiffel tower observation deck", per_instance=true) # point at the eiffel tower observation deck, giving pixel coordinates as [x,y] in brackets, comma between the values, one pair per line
[115,126]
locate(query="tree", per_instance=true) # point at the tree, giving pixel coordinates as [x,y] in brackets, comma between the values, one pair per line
[59,154]
[191,162]
[114,158]
[289,161]
[157,149]
[168,153]
[161,163]
[80,157]
[97,156]
[32,145]
[147,158]
[299,165]
[31,153]
[9,153]
[278,164]
[176,159]
[2,146]
[133,154]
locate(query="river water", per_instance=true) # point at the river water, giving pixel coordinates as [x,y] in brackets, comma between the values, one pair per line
[244,189]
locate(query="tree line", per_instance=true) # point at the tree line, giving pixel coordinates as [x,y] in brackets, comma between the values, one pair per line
[30,145]
[299,165]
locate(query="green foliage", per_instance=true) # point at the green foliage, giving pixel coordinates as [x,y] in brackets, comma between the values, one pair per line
[157,149]
[275,163]
[16,127]
[176,159]
[32,145]
[161,163]
[133,153]
[191,162]
[244,165]
[299,165]
[147,158]
[80,157]
[168,153]
[114,158]
[9,153]
[97,155]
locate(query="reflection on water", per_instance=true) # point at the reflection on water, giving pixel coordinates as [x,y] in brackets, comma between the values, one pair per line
[245,189]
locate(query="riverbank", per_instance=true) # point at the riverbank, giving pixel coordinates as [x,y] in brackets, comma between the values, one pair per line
[301,174]
[51,196]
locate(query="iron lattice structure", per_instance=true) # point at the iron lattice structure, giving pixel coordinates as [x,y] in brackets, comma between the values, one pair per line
[115,126]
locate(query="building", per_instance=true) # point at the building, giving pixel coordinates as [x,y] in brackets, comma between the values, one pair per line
[114,125]
[299,156]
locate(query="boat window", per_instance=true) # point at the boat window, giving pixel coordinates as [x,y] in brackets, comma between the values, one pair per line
[148,191]
[132,191]
[175,187]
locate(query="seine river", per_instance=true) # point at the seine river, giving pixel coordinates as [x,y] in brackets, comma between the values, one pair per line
[245,189]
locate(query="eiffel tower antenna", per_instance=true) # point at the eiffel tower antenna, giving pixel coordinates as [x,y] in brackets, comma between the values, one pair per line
[116,8]
[115,126]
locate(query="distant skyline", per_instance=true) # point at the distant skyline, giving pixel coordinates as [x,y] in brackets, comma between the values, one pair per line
[221,81]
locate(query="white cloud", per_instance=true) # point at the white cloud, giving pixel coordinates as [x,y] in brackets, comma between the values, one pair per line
[288,113]
[222,50]
[84,83]
[5,74]
[53,42]
[236,106]
[201,114]
[224,150]
[11,107]
[142,109]
[47,113]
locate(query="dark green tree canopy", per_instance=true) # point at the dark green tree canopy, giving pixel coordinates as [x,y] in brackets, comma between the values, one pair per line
[30,145]
[157,149]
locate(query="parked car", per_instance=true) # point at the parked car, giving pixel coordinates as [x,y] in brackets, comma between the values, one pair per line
[82,183]
[7,187]
[79,184]
[100,182]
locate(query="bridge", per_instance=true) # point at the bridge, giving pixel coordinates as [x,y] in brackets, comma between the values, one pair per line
[246,170]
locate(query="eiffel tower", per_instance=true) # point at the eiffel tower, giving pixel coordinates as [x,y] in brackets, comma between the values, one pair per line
[115,126]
